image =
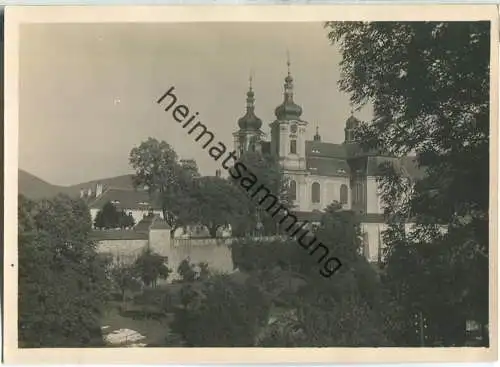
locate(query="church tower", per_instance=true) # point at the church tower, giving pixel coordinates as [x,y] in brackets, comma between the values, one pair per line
[249,136]
[351,125]
[288,131]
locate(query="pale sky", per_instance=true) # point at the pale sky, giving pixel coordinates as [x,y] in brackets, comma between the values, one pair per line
[88,91]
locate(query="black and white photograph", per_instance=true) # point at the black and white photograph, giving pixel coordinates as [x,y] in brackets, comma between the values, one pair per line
[297,184]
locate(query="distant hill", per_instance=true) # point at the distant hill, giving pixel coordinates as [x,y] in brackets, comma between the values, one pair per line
[118,182]
[35,188]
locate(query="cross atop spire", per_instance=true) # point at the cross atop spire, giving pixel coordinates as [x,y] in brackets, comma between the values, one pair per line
[250,79]
[288,110]
[317,137]
[288,60]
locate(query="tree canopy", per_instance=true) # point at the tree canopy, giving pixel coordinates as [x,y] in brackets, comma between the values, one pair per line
[151,266]
[217,203]
[429,86]
[168,181]
[109,217]
[268,173]
[346,310]
[62,280]
[220,313]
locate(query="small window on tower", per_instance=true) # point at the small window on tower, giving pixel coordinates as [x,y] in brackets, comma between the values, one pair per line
[293,146]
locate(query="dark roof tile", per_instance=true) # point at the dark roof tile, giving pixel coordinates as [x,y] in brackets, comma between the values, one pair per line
[328,166]
[125,199]
[144,224]
[321,149]
[159,223]
[121,234]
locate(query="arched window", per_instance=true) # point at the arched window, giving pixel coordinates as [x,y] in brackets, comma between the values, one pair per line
[293,190]
[343,194]
[315,192]
[293,146]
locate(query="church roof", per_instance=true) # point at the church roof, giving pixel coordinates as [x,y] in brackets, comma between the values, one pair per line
[322,149]
[328,166]
[408,166]
[125,199]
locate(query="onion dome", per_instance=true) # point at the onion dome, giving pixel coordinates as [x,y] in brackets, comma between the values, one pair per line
[288,110]
[250,121]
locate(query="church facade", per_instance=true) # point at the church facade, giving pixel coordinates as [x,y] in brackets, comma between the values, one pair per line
[319,172]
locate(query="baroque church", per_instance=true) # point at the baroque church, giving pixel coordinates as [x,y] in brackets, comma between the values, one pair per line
[322,172]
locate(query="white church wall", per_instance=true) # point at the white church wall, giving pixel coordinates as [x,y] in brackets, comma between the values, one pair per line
[373,199]
[329,192]
[374,238]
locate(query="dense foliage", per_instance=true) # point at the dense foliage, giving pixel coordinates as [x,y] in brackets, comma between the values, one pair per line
[169,181]
[125,277]
[268,173]
[217,203]
[109,217]
[220,312]
[62,280]
[184,196]
[429,86]
[150,267]
[189,272]
[346,310]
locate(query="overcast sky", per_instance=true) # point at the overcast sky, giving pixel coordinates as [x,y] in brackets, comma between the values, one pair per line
[88,91]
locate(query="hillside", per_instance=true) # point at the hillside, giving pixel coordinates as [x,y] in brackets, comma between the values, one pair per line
[119,182]
[36,188]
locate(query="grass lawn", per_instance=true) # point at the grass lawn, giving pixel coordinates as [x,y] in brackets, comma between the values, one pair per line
[155,331]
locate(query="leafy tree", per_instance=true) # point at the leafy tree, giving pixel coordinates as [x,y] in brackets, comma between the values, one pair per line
[186,271]
[124,277]
[269,173]
[345,310]
[108,217]
[220,313]
[62,280]
[204,271]
[151,266]
[429,86]
[190,166]
[168,182]
[217,203]
[126,220]
[190,272]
